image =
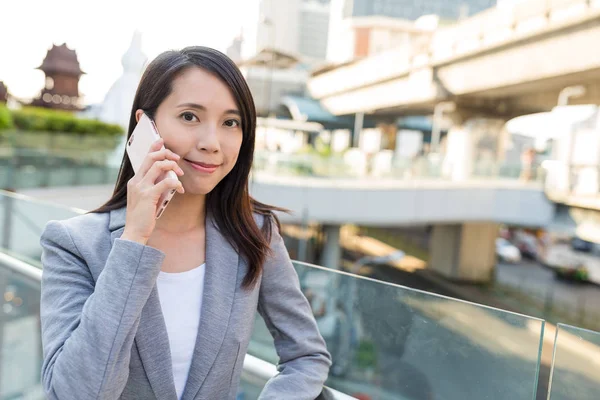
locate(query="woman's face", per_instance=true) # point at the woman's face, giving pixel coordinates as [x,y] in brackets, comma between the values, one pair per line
[201,122]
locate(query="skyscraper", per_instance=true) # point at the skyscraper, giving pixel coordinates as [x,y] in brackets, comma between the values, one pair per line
[413,9]
[359,28]
[298,27]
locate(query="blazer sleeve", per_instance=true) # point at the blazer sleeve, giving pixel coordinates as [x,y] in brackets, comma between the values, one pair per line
[303,357]
[88,329]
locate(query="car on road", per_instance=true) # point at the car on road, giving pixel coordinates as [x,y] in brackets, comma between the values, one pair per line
[507,252]
[579,244]
[527,244]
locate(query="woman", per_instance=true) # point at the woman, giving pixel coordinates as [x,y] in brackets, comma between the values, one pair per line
[138,308]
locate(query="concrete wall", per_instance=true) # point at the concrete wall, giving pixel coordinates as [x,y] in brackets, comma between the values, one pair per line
[445,249]
[477,252]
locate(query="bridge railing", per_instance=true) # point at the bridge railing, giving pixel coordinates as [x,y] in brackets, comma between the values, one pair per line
[382,166]
[28,169]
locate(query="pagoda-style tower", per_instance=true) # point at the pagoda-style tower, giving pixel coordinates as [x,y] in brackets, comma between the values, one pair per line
[62,79]
[3,93]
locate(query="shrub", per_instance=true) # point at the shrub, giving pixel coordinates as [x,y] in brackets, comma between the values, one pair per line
[45,120]
[6,121]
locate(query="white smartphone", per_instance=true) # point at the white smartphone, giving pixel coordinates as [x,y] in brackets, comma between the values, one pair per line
[138,147]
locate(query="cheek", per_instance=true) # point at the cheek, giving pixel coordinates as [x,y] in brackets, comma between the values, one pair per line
[231,149]
[176,139]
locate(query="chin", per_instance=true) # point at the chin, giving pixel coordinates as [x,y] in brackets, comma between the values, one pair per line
[198,190]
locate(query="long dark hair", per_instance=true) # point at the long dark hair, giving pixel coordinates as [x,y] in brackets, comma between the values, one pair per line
[229,202]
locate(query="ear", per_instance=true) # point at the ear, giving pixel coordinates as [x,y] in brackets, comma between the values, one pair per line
[138,115]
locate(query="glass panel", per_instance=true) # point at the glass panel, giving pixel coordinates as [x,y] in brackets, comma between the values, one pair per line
[382,165]
[21,347]
[28,168]
[392,342]
[249,388]
[575,365]
[22,221]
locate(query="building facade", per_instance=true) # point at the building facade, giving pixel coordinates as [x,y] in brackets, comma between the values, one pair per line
[361,28]
[297,27]
[3,93]
[412,9]
[62,71]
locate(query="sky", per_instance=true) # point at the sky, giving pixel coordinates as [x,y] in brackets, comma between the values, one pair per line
[101,31]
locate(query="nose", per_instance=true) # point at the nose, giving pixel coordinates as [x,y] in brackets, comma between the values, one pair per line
[208,139]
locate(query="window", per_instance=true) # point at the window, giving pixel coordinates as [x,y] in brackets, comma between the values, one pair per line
[49,83]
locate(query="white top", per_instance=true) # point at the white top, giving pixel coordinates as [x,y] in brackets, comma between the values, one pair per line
[180,297]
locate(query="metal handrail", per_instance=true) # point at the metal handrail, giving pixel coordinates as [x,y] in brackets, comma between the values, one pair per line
[254,368]
[261,371]
[33,200]
[21,267]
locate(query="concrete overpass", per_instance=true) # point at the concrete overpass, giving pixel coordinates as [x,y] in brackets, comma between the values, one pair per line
[502,62]
[464,215]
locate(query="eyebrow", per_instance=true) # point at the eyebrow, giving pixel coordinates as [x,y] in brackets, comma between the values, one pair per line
[202,108]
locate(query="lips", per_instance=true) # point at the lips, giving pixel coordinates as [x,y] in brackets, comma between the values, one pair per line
[203,167]
[201,164]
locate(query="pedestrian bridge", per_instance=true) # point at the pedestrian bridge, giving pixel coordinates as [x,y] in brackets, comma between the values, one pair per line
[387,202]
[369,201]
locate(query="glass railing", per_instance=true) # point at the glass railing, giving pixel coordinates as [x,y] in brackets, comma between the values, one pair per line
[392,342]
[22,221]
[387,341]
[575,365]
[33,168]
[21,351]
[381,166]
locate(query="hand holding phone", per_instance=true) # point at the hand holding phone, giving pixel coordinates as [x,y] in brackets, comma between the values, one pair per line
[155,181]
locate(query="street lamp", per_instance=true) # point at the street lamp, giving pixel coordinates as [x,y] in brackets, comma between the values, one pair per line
[568,92]
[436,126]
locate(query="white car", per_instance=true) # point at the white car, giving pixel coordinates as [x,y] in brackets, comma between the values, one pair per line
[507,252]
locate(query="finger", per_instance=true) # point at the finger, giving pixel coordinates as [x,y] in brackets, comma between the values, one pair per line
[158,169]
[154,156]
[169,184]
[157,145]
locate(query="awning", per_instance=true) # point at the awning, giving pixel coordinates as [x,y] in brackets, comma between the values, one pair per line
[308,109]
[416,123]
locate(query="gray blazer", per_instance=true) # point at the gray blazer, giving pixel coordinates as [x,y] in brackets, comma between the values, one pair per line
[103,332]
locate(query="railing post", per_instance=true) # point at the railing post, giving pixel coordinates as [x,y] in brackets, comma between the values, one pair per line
[8,203]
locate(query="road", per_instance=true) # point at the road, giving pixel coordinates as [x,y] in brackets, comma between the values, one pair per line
[538,282]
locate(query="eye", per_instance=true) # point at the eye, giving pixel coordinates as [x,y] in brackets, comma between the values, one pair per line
[188,117]
[232,123]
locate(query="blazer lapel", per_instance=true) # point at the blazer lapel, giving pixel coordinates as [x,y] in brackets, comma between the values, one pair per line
[151,338]
[153,344]
[220,281]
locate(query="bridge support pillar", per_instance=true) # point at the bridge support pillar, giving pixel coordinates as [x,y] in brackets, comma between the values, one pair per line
[464,252]
[473,145]
[331,255]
